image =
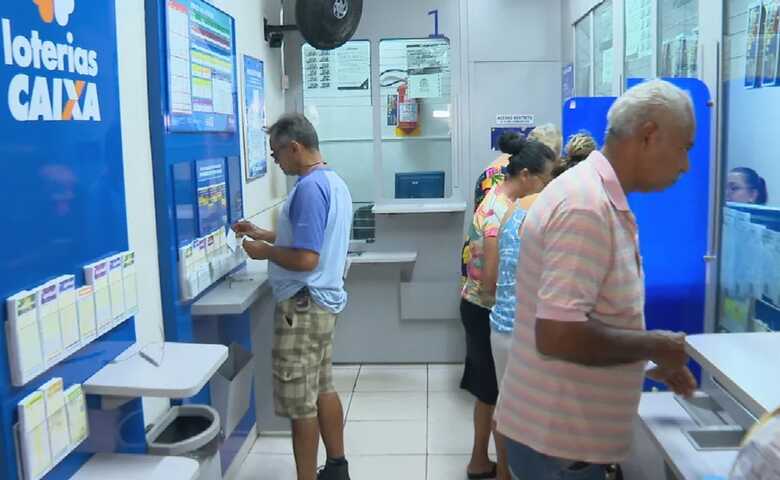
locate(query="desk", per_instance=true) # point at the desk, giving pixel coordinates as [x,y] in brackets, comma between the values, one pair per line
[184,370]
[235,293]
[412,208]
[665,419]
[742,363]
[115,466]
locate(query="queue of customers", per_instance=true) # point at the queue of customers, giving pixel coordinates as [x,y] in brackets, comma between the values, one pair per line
[553,292]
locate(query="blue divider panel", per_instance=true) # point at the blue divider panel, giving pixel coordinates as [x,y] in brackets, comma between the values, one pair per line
[673,223]
[61,151]
[177,154]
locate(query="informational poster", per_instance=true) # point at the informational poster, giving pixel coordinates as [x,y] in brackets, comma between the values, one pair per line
[607,65]
[639,38]
[517,119]
[341,73]
[412,61]
[755,28]
[212,195]
[201,82]
[771,42]
[568,82]
[429,68]
[255,152]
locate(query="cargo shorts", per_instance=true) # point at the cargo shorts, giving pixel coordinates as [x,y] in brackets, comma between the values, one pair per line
[302,356]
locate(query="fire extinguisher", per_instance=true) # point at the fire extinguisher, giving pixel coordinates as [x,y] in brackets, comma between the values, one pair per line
[408,110]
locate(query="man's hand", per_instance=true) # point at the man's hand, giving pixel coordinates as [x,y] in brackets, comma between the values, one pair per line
[668,350]
[680,381]
[244,228]
[258,249]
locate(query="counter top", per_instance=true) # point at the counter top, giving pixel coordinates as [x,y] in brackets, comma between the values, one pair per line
[137,467]
[743,363]
[382,257]
[184,369]
[427,207]
[235,293]
[665,420]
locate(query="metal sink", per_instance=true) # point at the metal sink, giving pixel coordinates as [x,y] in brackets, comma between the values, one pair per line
[727,437]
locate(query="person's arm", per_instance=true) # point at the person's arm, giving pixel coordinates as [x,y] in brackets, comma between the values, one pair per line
[308,214]
[576,256]
[596,344]
[252,231]
[489,267]
[293,259]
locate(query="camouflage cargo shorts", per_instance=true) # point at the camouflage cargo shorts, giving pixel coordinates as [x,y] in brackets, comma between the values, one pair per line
[302,356]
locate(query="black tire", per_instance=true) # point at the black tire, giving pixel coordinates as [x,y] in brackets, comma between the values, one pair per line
[328,24]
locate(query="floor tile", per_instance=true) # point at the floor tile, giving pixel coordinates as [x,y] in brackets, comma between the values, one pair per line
[278,445]
[384,406]
[387,467]
[385,438]
[450,406]
[452,437]
[444,378]
[392,379]
[268,467]
[344,378]
[346,402]
[447,467]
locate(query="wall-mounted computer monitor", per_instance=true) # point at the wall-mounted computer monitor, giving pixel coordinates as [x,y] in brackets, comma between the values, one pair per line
[419,185]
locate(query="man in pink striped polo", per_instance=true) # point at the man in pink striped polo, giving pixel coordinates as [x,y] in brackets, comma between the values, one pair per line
[580,347]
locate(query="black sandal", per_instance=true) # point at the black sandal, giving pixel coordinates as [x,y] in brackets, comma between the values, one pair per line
[484,475]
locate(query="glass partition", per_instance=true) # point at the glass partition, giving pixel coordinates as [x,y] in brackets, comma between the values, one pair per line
[583,50]
[415,90]
[749,260]
[638,19]
[604,53]
[678,38]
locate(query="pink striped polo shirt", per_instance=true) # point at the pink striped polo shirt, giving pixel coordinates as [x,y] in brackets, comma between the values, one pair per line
[580,258]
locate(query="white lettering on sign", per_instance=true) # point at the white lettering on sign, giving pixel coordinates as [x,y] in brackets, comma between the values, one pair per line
[65,97]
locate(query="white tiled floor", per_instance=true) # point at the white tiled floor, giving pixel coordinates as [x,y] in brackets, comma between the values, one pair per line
[408,422]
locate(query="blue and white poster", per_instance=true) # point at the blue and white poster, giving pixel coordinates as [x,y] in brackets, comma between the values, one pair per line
[212,195]
[255,151]
[63,182]
[201,69]
[567,83]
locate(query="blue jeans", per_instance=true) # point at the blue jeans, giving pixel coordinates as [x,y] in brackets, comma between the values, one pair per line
[528,464]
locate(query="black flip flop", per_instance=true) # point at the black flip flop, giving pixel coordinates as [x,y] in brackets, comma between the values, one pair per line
[484,475]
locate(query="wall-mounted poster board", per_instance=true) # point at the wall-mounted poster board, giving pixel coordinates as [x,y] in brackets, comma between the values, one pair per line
[340,76]
[755,29]
[64,210]
[255,152]
[201,68]
[212,195]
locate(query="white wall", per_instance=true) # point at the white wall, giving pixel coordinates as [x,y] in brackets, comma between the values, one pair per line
[514,66]
[139,190]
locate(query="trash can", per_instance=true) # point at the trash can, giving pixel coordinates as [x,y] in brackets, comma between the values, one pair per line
[231,387]
[189,431]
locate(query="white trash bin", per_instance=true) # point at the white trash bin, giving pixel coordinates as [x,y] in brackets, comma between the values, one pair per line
[191,431]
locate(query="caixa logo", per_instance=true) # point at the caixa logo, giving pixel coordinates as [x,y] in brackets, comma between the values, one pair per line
[67,94]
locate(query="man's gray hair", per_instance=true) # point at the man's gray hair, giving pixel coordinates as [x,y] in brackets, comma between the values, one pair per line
[294,127]
[646,102]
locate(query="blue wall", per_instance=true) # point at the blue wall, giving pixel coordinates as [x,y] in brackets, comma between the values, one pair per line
[63,185]
[673,224]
